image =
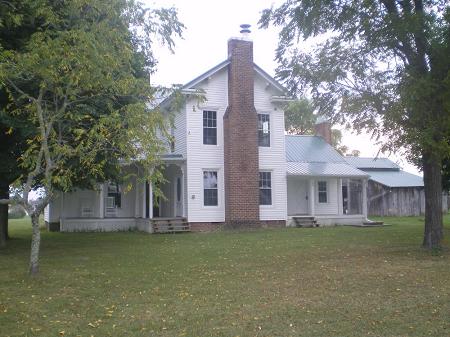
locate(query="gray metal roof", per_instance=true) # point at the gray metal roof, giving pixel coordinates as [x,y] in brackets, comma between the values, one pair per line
[372,163]
[313,156]
[323,170]
[311,149]
[396,178]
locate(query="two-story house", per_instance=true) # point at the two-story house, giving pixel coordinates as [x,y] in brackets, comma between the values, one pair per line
[231,165]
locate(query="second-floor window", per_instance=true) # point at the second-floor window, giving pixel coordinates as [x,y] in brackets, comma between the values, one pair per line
[209,127]
[264,130]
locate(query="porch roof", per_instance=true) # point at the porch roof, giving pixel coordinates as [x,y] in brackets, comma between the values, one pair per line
[366,163]
[321,169]
[396,178]
[172,157]
[313,156]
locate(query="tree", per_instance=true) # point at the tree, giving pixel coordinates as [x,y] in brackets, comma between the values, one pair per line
[17,24]
[336,142]
[300,120]
[91,100]
[381,65]
[299,117]
[446,175]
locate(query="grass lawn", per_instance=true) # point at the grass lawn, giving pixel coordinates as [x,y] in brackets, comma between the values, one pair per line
[339,281]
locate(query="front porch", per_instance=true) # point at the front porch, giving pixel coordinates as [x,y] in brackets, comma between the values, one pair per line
[326,200]
[132,205]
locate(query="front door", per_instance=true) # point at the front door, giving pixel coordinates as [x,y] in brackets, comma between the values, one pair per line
[297,196]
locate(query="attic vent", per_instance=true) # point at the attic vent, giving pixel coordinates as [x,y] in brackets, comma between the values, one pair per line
[245,29]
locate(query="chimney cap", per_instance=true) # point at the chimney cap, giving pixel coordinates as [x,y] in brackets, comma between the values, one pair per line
[245,28]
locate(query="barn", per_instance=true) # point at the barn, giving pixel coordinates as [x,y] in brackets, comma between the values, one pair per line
[392,191]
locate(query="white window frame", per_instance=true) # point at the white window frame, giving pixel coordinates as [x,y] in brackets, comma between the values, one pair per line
[217,187]
[108,197]
[207,127]
[319,191]
[271,188]
[269,129]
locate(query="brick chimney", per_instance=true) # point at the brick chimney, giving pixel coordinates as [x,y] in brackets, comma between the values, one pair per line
[241,139]
[323,128]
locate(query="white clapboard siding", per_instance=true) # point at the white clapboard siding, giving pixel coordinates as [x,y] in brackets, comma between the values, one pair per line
[272,158]
[47,213]
[206,157]
[331,207]
[180,133]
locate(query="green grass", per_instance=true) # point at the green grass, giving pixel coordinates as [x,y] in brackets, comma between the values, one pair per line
[339,281]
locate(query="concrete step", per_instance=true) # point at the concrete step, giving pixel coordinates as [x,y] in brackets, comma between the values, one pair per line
[170,225]
[305,221]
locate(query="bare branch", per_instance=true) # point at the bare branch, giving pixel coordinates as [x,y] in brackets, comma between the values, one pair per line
[20,91]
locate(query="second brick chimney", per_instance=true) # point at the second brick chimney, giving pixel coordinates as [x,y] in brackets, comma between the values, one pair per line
[241,139]
[323,128]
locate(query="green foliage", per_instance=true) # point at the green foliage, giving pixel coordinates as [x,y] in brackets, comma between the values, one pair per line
[299,117]
[16,212]
[336,141]
[300,120]
[377,65]
[81,80]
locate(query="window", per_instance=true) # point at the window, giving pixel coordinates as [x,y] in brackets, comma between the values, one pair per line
[209,127]
[265,188]
[322,188]
[264,130]
[114,199]
[210,188]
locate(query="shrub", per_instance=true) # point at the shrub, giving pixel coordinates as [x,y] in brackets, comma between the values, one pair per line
[16,212]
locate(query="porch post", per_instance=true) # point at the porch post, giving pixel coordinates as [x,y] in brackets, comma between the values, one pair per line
[101,207]
[364,197]
[339,197]
[136,198]
[348,197]
[183,199]
[150,200]
[61,206]
[144,190]
[311,197]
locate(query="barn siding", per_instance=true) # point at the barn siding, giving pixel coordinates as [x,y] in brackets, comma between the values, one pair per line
[399,201]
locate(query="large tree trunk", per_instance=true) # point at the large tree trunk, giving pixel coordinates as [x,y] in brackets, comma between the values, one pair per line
[35,243]
[432,177]
[4,194]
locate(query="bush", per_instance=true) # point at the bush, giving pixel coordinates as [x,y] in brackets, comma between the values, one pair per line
[16,212]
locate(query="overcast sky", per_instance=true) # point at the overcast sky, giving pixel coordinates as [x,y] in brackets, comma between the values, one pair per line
[209,25]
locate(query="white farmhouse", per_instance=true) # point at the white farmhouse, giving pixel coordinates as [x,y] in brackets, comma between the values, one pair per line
[231,165]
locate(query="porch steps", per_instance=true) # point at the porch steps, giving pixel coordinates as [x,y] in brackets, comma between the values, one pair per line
[305,221]
[170,225]
[369,224]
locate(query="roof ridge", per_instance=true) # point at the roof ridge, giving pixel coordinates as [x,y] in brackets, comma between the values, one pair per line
[374,158]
